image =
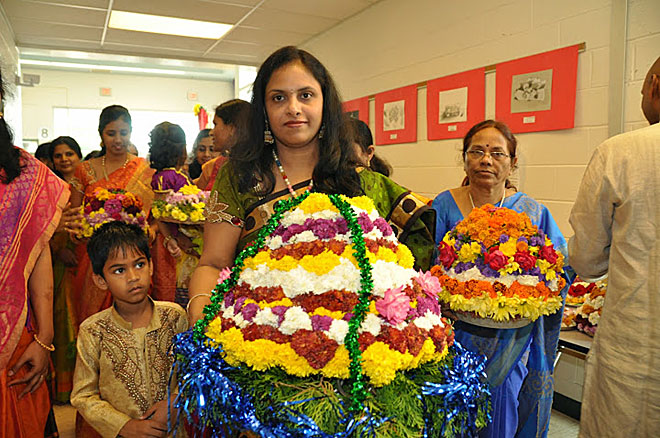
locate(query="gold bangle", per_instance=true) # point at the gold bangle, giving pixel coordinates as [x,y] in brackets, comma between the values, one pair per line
[50,347]
[193,298]
[167,239]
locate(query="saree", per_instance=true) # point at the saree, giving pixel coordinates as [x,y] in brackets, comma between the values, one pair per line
[520,361]
[30,209]
[412,221]
[64,356]
[134,177]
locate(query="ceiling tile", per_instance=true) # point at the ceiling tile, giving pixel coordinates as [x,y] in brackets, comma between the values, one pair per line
[190,9]
[156,40]
[97,4]
[24,27]
[42,13]
[281,20]
[263,36]
[56,43]
[162,52]
[335,9]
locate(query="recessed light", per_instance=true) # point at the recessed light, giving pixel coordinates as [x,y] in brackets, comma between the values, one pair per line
[167,25]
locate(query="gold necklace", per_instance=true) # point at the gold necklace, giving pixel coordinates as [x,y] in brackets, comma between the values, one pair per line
[105,170]
[472,201]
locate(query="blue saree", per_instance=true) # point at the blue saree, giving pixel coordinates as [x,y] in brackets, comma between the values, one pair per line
[520,361]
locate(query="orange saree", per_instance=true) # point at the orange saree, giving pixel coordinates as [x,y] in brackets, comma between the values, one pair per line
[134,177]
[30,209]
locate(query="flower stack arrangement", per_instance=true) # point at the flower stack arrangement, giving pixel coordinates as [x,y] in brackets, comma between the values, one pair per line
[185,206]
[498,270]
[322,328]
[588,314]
[107,205]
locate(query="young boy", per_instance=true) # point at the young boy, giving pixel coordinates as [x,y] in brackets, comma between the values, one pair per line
[121,378]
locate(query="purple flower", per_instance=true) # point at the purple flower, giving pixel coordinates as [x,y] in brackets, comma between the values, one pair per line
[238,305]
[278,231]
[229,299]
[112,206]
[321,323]
[341,225]
[427,303]
[365,222]
[323,228]
[383,226]
[279,311]
[487,271]
[536,241]
[249,311]
[347,316]
[462,267]
[291,231]
[504,238]
[522,239]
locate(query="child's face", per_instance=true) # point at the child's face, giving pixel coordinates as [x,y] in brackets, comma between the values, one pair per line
[127,274]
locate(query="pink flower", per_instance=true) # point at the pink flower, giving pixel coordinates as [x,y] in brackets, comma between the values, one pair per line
[496,259]
[224,274]
[548,253]
[394,307]
[525,260]
[430,284]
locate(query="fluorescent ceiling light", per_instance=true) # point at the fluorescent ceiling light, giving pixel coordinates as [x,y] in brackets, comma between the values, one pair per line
[82,66]
[167,25]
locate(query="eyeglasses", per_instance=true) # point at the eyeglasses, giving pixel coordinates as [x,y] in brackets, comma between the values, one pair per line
[478,154]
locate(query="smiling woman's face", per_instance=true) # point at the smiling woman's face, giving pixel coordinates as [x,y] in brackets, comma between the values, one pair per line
[487,171]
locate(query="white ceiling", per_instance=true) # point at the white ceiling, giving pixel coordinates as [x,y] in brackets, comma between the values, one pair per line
[261,26]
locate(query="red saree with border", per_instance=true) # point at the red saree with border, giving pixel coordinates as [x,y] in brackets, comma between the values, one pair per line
[134,177]
[30,209]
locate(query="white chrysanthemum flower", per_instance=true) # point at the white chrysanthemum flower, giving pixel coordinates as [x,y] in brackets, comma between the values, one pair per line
[228,312]
[338,330]
[371,324]
[594,318]
[266,317]
[239,321]
[295,319]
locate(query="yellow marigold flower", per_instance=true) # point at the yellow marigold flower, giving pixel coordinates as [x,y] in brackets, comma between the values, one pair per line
[189,189]
[406,259]
[469,253]
[320,264]
[322,311]
[283,302]
[156,213]
[372,307]
[316,202]
[338,365]
[362,202]
[386,255]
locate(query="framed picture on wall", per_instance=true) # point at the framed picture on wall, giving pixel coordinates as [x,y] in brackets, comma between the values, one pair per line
[455,103]
[396,116]
[358,109]
[537,93]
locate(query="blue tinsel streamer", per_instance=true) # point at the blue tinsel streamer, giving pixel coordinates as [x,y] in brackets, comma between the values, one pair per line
[463,392]
[212,401]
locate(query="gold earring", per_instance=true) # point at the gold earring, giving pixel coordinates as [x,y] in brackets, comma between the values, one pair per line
[268,136]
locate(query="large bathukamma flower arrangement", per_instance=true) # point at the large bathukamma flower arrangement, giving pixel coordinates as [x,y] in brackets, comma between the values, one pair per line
[322,328]
[107,205]
[496,265]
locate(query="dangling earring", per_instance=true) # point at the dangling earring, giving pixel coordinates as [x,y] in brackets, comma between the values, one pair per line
[268,136]
[321,131]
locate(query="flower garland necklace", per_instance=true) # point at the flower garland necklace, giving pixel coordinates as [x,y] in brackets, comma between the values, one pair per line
[472,201]
[105,169]
[286,178]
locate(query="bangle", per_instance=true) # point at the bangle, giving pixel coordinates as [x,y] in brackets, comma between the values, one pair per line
[50,347]
[193,299]
[166,239]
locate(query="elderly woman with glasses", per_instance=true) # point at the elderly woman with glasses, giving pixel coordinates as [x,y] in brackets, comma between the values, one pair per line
[520,361]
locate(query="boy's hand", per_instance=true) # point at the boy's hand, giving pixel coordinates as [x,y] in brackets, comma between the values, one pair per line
[157,413]
[142,429]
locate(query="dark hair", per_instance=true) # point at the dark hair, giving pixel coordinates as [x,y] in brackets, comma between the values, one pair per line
[167,145]
[69,141]
[194,168]
[200,136]
[9,155]
[109,115]
[113,236]
[43,151]
[362,136]
[252,158]
[233,111]
[94,154]
[511,142]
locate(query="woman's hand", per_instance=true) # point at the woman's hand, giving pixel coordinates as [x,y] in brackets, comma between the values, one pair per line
[71,220]
[173,247]
[35,357]
[186,245]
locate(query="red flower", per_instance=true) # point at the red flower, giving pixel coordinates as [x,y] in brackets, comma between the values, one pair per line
[116,216]
[548,253]
[525,260]
[496,258]
[447,255]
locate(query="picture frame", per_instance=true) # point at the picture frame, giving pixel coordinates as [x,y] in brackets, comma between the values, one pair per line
[358,108]
[455,103]
[537,93]
[396,116]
